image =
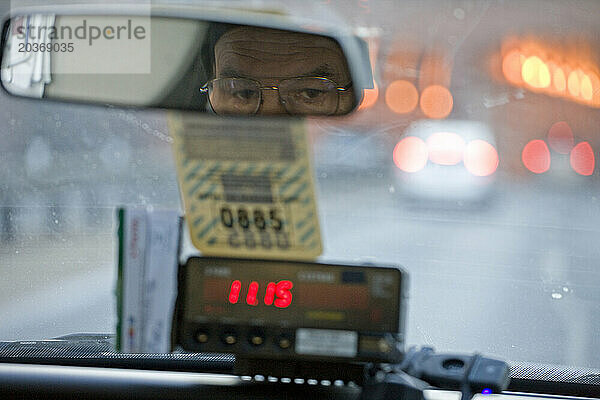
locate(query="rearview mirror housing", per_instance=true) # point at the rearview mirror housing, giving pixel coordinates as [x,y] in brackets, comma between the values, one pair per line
[186,58]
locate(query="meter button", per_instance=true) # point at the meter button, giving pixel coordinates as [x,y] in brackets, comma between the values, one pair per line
[284,342]
[256,337]
[256,340]
[201,337]
[229,338]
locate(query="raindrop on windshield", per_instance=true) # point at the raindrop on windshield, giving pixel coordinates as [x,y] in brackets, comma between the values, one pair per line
[459,13]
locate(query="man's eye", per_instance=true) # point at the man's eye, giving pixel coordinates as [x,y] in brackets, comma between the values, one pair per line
[245,94]
[311,94]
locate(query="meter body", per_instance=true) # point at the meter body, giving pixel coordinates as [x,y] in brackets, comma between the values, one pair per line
[284,310]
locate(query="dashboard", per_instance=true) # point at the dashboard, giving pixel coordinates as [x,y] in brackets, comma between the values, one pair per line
[54,381]
[86,366]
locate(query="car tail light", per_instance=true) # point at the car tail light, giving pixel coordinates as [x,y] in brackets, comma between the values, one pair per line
[536,156]
[410,154]
[445,148]
[481,158]
[582,159]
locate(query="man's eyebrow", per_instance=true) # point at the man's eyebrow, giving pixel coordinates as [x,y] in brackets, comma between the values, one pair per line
[230,73]
[324,70]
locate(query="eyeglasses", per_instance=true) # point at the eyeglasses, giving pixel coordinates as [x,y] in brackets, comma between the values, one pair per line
[300,96]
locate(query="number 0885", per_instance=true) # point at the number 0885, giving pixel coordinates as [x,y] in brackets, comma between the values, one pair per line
[254,228]
[246,218]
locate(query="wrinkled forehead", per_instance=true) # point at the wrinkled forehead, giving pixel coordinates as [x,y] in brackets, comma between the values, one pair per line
[263,53]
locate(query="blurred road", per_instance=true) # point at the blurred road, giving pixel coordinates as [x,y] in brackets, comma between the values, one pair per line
[514,278]
[57,284]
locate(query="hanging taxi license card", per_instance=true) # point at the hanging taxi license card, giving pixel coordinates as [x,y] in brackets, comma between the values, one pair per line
[247,186]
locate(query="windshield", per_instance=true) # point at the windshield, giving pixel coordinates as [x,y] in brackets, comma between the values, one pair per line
[472,163]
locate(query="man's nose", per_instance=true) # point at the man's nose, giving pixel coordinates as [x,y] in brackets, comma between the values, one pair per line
[270,104]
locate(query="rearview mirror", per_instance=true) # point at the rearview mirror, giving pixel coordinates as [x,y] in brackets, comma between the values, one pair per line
[268,66]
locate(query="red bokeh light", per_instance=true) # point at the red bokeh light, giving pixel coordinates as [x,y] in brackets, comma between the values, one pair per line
[582,159]
[560,137]
[410,154]
[536,156]
[481,158]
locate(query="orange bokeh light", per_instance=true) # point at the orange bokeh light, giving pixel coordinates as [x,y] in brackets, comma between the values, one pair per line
[586,88]
[573,83]
[558,80]
[551,70]
[511,67]
[595,89]
[370,97]
[436,102]
[401,97]
[535,72]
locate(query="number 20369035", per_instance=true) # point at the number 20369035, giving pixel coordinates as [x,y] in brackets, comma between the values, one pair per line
[254,227]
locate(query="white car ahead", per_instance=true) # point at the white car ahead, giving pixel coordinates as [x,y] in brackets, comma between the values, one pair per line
[446,161]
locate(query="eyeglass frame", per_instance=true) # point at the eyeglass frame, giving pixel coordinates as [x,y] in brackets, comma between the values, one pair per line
[339,89]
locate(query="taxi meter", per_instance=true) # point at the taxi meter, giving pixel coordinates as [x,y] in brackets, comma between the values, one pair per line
[292,310]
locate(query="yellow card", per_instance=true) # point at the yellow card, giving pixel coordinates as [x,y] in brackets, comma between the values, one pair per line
[247,186]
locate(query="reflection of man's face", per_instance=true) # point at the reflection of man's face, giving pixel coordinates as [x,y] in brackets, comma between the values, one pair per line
[270,56]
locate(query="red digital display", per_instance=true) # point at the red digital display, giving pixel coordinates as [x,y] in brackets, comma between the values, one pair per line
[234,293]
[270,293]
[327,296]
[275,293]
[264,309]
